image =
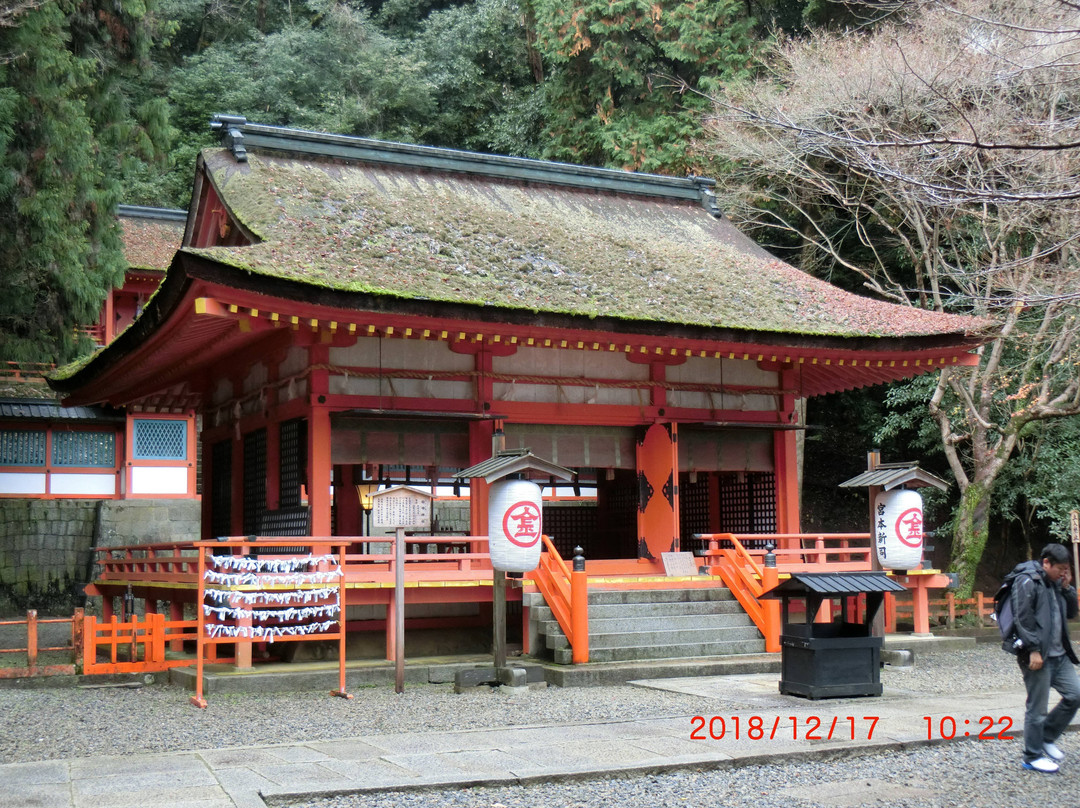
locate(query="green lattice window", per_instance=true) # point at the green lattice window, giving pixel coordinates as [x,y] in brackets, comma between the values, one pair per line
[84,449]
[160,439]
[22,447]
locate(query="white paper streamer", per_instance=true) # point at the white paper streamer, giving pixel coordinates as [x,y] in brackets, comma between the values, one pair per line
[289,614]
[271,579]
[292,564]
[267,633]
[281,598]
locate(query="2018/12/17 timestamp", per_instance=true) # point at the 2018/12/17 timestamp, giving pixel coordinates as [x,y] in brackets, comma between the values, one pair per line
[758,728]
[946,728]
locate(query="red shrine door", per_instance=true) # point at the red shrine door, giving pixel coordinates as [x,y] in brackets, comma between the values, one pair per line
[658,493]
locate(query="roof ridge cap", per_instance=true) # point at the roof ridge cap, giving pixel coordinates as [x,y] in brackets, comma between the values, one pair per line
[239,135]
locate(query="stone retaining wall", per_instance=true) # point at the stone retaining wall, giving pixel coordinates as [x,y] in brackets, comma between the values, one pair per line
[45,545]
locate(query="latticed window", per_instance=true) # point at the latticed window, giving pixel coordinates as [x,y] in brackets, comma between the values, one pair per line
[160,439]
[221,489]
[292,462]
[254,480]
[748,504]
[22,447]
[84,449]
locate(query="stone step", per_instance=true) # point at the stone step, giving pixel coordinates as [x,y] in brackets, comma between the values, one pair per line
[609,596]
[614,673]
[635,610]
[610,625]
[687,651]
[672,640]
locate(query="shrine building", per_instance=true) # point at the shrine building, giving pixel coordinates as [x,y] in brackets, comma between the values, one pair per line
[350,313]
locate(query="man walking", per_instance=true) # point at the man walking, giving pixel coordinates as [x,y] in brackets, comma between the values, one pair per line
[1043,599]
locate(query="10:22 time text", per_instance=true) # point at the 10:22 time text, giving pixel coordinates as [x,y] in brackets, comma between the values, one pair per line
[946,727]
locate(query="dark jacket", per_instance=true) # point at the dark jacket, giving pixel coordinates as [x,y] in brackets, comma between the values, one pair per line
[1033,596]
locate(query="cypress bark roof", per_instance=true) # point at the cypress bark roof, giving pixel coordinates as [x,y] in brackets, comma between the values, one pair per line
[460,238]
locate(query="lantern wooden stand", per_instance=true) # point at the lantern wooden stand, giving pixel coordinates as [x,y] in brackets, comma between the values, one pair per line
[822,660]
[511,502]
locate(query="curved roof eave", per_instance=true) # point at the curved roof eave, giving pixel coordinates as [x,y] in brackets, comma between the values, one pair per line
[163,320]
[226,275]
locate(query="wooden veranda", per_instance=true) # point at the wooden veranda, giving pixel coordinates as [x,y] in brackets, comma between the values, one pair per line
[242,604]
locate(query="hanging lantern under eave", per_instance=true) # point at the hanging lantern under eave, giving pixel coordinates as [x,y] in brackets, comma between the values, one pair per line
[515,522]
[898,529]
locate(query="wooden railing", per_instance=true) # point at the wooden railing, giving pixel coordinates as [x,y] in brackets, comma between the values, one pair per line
[178,561]
[747,579]
[566,592]
[25,371]
[133,646]
[33,649]
[800,552]
[942,611]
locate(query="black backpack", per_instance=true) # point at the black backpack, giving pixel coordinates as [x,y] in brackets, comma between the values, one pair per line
[1004,617]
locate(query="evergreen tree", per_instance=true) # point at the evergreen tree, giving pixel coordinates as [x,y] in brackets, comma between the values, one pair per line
[619,70]
[68,131]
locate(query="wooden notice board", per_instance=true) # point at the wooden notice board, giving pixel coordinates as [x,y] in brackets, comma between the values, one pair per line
[401,506]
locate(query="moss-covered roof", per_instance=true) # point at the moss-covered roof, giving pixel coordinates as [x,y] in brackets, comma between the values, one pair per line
[392,231]
[150,243]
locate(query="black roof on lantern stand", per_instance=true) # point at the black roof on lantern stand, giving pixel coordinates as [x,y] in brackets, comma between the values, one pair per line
[514,461]
[828,584]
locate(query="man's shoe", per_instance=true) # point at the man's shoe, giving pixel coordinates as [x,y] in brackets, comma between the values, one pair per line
[1053,752]
[1043,764]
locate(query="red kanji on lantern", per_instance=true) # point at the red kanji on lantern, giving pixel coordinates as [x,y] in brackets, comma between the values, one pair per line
[909,527]
[521,524]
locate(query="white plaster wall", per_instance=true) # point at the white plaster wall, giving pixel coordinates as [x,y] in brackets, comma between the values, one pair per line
[20,483]
[223,391]
[256,377]
[295,361]
[406,388]
[402,353]
[83,484]
[731,371]
[571,363]
[159,480]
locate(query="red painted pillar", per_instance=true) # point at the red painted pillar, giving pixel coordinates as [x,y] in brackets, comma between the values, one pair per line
[318,450]
[480,433]
[318,463]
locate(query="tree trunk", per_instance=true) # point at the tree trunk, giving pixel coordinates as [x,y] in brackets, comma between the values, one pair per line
[970,534]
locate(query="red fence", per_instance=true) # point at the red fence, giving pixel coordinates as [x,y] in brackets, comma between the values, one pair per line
[32,648]
[134,646]
[944,611]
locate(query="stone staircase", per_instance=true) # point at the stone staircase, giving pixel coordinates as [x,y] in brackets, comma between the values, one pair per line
[633,625]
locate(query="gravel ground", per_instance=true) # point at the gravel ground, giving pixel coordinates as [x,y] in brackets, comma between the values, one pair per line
[65,723]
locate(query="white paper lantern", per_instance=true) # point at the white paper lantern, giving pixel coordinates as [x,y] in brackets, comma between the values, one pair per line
[898,529]
[515,511]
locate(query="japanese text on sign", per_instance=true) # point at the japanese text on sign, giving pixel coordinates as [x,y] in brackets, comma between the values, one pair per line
[401,508]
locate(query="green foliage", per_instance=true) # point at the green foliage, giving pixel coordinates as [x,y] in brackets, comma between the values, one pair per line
[476,60]
[1043,484]
[70,131]
[619,70]
[337,73]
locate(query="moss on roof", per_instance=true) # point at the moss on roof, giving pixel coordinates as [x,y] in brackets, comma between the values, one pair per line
[453,238]
[150,244]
